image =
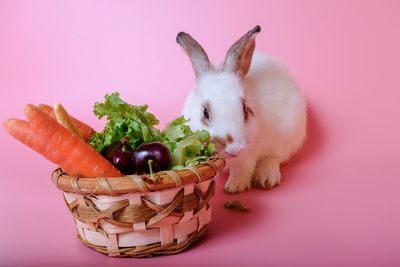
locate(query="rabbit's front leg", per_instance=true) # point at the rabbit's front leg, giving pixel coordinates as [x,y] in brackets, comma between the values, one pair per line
[267,173]
[240,172]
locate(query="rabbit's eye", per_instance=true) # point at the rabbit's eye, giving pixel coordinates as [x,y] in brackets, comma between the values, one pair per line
[206,114]
[207,111]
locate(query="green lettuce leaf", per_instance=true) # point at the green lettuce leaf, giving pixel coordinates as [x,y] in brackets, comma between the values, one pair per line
[177,130]
[188,148]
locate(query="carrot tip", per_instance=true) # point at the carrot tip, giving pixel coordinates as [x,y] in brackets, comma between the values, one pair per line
[10,124]
[6,123]
[28,108]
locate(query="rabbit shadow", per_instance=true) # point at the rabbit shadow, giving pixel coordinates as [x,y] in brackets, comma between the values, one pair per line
[312,147]
[315,138]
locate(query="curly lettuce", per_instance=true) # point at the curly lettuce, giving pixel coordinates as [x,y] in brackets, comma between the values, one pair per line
[188,148]
[136,125]
[124,120]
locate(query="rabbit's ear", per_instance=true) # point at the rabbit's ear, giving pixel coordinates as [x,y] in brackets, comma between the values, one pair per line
[196,53]
[239,55]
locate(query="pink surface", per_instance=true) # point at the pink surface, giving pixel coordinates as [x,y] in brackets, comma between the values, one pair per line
[339,202]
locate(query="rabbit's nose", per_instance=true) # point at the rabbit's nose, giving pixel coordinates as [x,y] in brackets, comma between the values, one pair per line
[229,155]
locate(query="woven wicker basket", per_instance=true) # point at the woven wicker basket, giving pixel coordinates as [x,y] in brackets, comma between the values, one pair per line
[131,216]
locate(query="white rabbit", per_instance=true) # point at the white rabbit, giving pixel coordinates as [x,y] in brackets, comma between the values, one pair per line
[252,108]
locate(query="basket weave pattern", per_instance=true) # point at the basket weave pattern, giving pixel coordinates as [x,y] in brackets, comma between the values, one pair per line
[147,218]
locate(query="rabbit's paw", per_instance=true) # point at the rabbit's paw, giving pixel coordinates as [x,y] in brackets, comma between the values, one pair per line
[237,184]
[267,174]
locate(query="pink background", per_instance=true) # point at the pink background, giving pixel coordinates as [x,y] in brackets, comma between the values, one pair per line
[339,204]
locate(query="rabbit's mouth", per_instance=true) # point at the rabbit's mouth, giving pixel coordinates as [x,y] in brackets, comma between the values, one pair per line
[228,155]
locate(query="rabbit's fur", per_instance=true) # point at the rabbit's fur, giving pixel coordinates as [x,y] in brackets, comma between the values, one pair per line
[252,108]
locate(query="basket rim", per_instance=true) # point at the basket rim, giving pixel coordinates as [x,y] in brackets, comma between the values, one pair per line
[138,183]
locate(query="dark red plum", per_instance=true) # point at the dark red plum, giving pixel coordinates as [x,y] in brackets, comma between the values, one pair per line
[123,161]
[121,157]
[155,151]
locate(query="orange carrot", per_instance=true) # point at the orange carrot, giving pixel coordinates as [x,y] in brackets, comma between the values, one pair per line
[85,129]
[23,132]
[85,159]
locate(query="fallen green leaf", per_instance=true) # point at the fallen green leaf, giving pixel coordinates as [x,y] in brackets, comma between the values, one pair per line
[235,205]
